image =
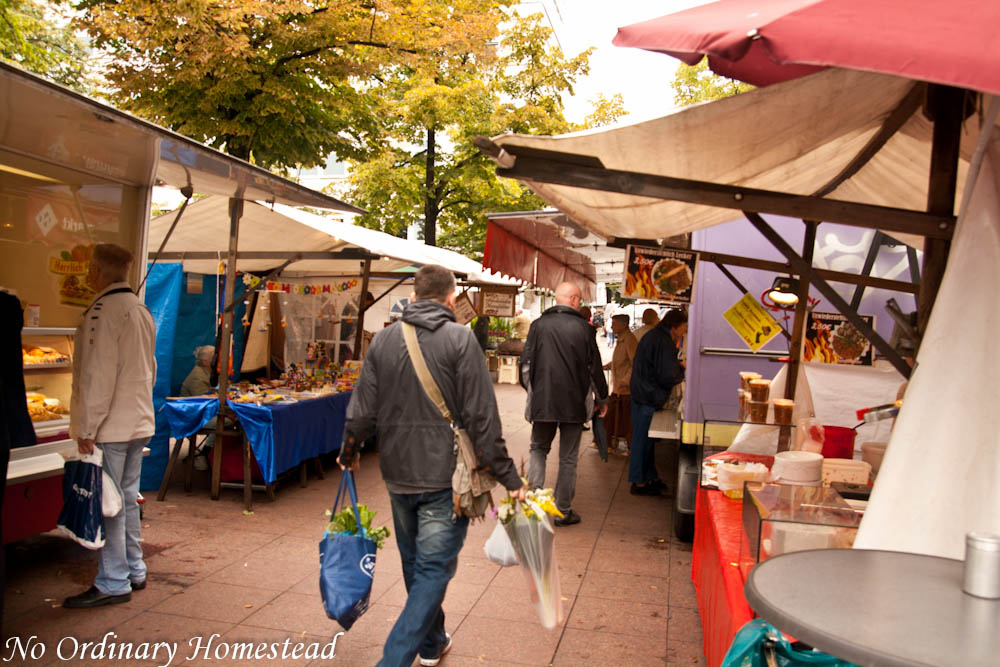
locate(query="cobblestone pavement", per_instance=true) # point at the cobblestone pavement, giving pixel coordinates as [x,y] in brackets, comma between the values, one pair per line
[626,581]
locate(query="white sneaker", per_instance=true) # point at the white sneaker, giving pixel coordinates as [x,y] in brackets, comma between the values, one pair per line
[431,662]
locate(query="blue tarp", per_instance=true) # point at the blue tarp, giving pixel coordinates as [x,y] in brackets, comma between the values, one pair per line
[197,325]
[163,290]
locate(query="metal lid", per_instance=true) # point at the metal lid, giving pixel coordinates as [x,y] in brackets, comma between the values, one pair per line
[983,541]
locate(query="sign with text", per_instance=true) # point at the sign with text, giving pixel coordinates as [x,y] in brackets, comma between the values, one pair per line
[498,304]
[832,339]
[465,312]
[752,322]
[659,274]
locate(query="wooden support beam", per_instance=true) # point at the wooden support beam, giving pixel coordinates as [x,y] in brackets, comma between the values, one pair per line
[801,309]
[947,107]
[895,120]
[932,225]
[806,271]
[225,338]
[786,267]
[359,334]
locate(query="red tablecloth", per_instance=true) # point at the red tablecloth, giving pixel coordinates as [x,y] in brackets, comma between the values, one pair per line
[715,567]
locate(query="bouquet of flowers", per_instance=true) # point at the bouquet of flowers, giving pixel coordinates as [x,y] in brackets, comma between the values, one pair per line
[528,527]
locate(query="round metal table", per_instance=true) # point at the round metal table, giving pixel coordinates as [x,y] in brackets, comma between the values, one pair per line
[881,608]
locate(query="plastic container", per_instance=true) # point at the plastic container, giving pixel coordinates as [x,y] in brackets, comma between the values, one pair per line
[838,442]
[783,409]
[745,377]
[757,411]
[760,390]
[796,467]
[872,453]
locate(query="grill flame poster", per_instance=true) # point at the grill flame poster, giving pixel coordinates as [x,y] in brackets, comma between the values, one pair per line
[659,274]
[832,339]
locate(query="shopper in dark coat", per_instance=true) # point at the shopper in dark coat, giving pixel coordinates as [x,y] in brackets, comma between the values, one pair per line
[560,363]
[655,371]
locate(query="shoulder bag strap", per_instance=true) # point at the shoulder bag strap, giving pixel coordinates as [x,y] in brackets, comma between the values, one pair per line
[423,373]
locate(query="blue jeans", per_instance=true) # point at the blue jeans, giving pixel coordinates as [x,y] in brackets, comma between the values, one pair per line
[641,464]
[121,555]
[429,535]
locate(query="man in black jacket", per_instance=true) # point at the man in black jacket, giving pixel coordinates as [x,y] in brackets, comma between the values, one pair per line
[655,371]
[417,452]
[561,366]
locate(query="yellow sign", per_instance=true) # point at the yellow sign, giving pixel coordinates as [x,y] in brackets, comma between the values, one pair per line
[752,322]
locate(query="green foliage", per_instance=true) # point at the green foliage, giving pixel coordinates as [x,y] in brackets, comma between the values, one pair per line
[38,37]
[430,172]
[283,83]
[344,522]
[696,84]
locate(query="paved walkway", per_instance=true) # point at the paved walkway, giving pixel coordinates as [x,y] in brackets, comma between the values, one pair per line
[626,584]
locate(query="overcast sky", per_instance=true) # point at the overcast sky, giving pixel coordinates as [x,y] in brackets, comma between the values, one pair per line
[643,78]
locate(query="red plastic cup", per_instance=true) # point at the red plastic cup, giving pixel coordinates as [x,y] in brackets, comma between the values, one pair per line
[838,442]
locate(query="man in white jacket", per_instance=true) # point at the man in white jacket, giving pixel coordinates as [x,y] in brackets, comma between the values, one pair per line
[112,409]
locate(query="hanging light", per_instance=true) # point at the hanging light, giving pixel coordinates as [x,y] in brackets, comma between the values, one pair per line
[784,292]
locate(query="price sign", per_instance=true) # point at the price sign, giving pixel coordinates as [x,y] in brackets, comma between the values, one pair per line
[498,304]
[752,322]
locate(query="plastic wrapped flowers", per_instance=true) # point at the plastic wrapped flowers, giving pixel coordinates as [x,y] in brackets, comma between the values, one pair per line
[530,532]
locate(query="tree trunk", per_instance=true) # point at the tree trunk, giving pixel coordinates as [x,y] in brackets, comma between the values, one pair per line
[430,202]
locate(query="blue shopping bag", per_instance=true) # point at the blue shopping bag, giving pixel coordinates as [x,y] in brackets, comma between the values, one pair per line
[346,565]
[760,644]
[81,517]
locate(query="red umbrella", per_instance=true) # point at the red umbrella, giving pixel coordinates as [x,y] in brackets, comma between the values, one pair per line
[954,42]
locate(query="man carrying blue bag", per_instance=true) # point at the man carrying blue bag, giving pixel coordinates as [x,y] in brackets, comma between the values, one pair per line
[417,453]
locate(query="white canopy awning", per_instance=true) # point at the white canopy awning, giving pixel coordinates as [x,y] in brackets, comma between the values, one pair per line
[204,227]
[795,137]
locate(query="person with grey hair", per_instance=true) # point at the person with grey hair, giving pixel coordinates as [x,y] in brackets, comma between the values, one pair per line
[417,452]
[198,383]
[199,380]
[112,410]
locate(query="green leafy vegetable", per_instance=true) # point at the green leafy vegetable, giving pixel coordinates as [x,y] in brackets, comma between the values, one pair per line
[344,522]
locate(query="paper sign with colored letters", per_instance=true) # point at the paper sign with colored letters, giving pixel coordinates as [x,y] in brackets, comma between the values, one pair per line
[752,322]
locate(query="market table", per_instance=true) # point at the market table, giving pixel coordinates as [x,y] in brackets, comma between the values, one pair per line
[715,571]
[281,435]
[883,608]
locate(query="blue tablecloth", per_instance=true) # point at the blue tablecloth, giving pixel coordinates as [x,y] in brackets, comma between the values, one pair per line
[188,415]
[281,435]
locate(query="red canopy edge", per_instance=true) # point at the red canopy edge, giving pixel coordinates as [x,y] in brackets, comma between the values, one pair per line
[509,254]
[953,43]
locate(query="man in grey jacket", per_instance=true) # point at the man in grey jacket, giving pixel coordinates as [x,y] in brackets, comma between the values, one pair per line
[562,366]
[417,453]
[112,409]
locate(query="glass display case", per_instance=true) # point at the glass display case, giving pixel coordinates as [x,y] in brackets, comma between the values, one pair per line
[721,426]
[780,519]
[47,355]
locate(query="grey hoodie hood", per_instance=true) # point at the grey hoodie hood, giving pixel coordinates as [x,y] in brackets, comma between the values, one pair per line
[428,314]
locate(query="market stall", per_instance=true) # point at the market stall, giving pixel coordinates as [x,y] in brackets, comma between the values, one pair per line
[73,173]
[850,135]
[309,300]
